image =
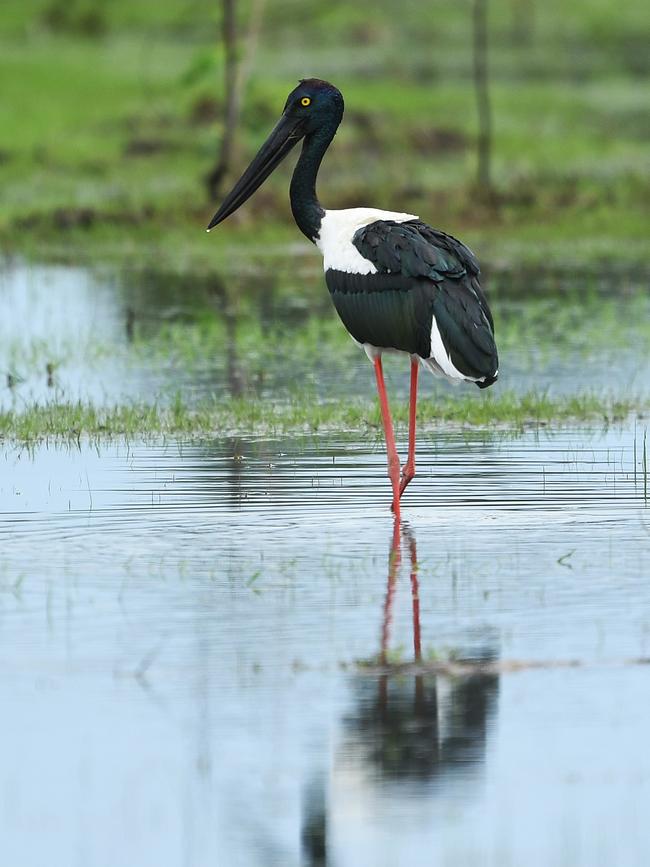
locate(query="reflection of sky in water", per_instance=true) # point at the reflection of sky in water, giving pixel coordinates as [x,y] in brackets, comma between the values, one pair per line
[83,324]
[180,627]
[59,316]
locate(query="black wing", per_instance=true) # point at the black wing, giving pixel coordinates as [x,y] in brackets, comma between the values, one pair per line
[421,273]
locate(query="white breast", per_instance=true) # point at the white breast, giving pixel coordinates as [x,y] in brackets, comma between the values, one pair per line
[337,230]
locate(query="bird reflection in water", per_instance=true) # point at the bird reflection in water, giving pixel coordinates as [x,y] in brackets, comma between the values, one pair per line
[411,723]
[425,725]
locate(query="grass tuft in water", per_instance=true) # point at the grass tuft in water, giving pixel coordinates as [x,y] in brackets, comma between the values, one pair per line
[220,417]
[643,461]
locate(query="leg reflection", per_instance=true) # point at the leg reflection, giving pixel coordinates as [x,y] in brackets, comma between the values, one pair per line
[314,825]
[415,605]
[394,561]
[432,728]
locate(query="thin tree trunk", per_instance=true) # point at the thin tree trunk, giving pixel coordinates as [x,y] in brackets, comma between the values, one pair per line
[523,21]
[222,303]
[236,76]
[481,88]
[252,40]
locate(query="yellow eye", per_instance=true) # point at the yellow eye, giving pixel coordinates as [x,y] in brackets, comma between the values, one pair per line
[305,101]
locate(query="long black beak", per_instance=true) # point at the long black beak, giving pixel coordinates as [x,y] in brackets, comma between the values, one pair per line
[286,134]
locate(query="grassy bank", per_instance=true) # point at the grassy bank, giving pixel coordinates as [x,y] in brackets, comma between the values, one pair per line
[111,120]
[71,421]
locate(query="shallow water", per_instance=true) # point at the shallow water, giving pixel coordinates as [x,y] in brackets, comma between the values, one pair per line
[205,653]
[69,334]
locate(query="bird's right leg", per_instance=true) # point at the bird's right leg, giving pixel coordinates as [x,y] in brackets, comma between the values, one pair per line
[391,450]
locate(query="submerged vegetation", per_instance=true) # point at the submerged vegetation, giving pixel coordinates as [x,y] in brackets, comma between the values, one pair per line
[71,421]
[194,357]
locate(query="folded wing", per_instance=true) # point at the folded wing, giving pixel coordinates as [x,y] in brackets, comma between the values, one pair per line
[425,298]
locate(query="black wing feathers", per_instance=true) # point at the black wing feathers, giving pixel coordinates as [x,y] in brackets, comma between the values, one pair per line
[422,273]
[414,249]
[384,309]
[466,331]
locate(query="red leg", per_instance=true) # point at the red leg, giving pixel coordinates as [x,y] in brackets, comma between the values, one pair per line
[408,472]
[393,457]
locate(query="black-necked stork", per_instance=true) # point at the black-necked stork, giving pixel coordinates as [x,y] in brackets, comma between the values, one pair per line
[396,283]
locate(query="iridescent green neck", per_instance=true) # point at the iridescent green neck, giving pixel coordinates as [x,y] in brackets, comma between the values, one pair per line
[307,210]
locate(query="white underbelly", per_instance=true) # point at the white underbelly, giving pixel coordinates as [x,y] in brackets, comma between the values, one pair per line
[438,363]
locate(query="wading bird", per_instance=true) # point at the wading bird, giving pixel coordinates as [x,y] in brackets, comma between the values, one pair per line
[396,283]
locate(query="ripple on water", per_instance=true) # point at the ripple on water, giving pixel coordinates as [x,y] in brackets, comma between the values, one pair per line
[182,626]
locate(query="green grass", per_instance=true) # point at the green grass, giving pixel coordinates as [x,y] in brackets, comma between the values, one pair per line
[110,119]
[71,421]
[103,146]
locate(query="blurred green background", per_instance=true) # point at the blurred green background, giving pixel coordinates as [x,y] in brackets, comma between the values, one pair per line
[112,113]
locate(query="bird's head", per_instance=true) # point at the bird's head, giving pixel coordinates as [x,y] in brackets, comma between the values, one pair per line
[314,106]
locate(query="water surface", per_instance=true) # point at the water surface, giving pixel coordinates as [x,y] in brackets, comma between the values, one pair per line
[221,653]
[69,334]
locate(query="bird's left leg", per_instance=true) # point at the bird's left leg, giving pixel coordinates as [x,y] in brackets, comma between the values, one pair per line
[408,472]
[391,449]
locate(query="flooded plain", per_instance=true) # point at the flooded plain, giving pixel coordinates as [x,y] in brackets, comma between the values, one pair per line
[67,334]
[223,651]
